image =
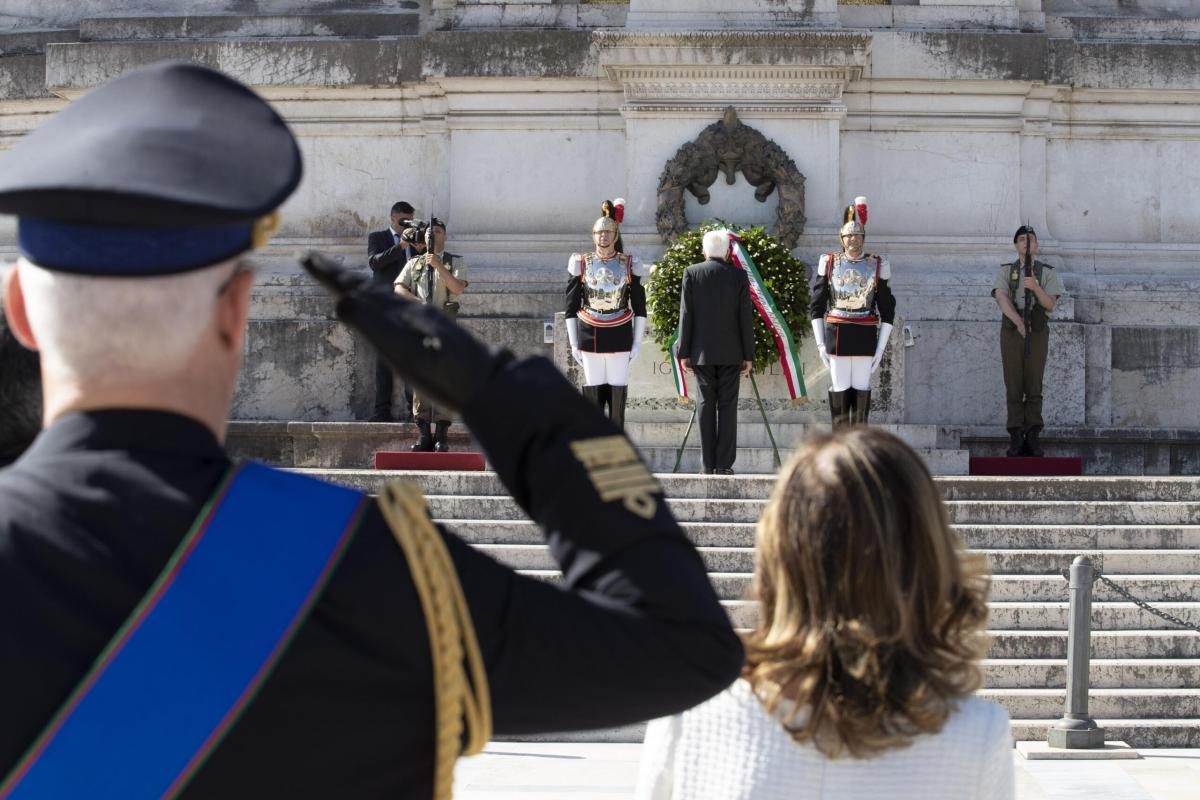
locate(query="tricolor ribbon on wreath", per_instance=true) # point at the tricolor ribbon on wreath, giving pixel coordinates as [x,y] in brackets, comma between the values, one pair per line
[785,342]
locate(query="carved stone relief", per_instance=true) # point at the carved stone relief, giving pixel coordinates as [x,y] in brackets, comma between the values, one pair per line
[728,147]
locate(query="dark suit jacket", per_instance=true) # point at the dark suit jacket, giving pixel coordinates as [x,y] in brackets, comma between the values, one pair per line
[716,321]
[385,257]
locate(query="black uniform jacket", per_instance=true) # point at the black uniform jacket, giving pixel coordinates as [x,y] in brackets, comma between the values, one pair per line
[716,320]
[385,257]
[91,513]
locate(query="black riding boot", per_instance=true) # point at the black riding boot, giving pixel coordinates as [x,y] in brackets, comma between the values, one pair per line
[1016,442]
[425,442]
[1032,446]
[604,399]
[591,393]
[616,410]
[839,408]
[440,431]
[862,406]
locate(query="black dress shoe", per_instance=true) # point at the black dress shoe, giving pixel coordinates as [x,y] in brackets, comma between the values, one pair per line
[725,471]
[381,416]
[1016,443]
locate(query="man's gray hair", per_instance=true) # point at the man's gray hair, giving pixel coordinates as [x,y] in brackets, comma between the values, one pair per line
[117,330]
[716,244]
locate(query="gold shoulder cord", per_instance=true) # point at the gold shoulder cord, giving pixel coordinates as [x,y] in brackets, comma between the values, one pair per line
[458,698]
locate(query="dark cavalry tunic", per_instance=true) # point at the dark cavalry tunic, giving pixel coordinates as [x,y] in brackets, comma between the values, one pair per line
[89,516]
[850,339]
[604,338]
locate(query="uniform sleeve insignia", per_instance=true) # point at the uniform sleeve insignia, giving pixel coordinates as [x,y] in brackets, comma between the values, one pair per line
[617,473]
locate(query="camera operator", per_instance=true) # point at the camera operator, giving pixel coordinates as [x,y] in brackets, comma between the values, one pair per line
[387,251]
[436,279]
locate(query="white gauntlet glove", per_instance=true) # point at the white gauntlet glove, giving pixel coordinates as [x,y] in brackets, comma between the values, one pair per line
[818,326]
[885,331]
[639,331]
[573,338]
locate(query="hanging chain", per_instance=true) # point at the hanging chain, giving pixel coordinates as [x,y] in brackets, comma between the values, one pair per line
[1142,604]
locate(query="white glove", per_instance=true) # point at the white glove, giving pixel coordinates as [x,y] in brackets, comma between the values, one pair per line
[573,338]
[885,331]
[639,332]
[818,326]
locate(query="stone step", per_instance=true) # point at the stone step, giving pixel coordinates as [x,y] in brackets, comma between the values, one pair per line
[1080,489]
[1137,732]
[1106,673]
[1132,645]
[761,460]
[1044,616]
[1005,588]
[1080,539]
[752,433]
[1001,562]
[1122,703]
[1070,512]
[450,507]
[1126,489]
[1053,588]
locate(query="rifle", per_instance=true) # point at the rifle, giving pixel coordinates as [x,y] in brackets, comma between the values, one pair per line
[429,242]
[1027,312]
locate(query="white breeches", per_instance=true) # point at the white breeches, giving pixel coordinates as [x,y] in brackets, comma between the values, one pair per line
[610,368]
[849,372]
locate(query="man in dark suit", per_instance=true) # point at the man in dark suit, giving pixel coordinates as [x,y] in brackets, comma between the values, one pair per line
[716,342]
[388,251]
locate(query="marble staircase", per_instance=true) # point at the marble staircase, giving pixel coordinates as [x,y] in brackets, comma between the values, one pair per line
[1143,533]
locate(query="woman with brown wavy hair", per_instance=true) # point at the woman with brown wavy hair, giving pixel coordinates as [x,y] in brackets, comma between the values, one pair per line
[859,675]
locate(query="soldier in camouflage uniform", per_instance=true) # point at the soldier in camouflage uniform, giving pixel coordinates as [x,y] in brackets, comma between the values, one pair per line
[1023,373]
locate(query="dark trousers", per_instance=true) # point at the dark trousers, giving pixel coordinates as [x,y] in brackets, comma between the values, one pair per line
[383,386]
[1023,376]
[717,410]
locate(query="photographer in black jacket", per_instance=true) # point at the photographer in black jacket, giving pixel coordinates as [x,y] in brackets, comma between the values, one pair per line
[388,251]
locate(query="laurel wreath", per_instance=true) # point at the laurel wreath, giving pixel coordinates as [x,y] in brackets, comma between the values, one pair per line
[784,275]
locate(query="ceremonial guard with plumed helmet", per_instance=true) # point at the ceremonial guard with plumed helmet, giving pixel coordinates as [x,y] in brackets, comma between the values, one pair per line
[852,313]
[606,312]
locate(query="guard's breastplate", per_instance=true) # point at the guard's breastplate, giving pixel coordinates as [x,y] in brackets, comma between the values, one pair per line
[852,287]
[606,286]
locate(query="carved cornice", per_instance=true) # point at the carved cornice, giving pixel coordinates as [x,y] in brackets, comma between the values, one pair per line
[743,68]
[740,38]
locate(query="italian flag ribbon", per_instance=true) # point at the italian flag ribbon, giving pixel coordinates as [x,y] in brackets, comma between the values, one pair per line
[677,369]
[765,303]
[785,343]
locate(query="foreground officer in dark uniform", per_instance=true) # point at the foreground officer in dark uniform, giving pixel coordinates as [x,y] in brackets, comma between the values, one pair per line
[135,203]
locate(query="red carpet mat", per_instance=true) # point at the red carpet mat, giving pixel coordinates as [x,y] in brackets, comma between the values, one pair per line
[400,459]
[1025,465]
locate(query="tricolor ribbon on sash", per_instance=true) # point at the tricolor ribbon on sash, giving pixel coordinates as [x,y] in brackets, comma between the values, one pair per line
[785,343]
[177,675]
[677,369]
[765,303]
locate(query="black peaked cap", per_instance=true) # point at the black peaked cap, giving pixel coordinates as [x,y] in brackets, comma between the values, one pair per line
[170,144]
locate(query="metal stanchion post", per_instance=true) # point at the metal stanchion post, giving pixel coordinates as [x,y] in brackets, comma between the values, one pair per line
[1077,730]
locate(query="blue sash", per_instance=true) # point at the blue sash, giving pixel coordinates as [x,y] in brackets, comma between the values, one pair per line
[191,656]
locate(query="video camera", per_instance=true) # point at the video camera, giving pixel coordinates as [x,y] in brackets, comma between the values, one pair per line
[419,227]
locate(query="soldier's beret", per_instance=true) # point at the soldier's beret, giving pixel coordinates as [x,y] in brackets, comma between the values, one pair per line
[1024,229]
[165,169]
